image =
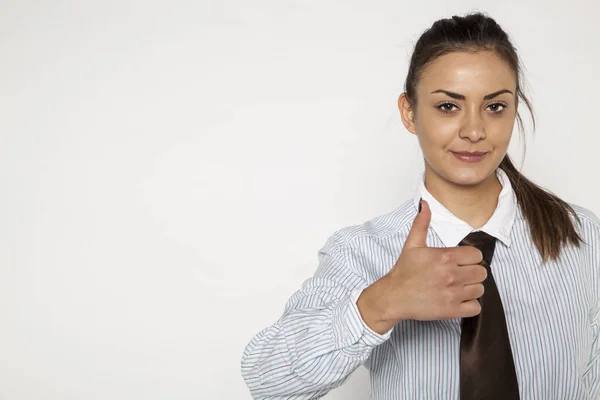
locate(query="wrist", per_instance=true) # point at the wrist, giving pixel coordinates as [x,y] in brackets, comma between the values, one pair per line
[373,307]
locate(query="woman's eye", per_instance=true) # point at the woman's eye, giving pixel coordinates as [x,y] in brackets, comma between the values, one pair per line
[446,107]
[497,107]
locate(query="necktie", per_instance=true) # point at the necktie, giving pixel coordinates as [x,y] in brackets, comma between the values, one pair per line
[487,369]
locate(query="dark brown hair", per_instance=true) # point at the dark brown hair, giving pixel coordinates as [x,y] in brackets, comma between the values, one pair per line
[548,216]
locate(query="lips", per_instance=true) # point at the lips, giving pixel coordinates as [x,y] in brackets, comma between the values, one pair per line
[466,153]
[469,157]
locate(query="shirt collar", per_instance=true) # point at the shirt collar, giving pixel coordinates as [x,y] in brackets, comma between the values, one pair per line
[451,230]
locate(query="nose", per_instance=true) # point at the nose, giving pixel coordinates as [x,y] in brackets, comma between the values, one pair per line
[472,127]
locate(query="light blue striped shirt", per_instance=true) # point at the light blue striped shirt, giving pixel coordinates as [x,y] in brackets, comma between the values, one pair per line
[552,314]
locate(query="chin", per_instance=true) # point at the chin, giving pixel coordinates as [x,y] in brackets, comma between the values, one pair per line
[468,177]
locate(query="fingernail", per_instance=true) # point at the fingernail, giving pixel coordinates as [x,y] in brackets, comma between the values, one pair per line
[420,204]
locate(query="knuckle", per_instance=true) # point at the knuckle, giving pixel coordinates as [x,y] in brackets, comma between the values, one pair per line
[446,256]
[449,278]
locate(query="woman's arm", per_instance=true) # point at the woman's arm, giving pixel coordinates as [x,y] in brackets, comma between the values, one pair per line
[592,373]
[590,232]
[319,340]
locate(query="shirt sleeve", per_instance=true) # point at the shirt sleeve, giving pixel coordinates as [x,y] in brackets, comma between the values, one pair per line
[592,373]
[319,340]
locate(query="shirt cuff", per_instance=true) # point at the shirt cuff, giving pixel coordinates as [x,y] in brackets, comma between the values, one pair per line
[350,328]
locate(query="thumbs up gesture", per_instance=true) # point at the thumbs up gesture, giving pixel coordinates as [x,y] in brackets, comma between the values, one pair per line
[426,283]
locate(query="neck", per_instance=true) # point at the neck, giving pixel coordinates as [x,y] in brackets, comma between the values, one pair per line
[473,204]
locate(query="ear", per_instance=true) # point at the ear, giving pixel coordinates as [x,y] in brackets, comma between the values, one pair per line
[407,113]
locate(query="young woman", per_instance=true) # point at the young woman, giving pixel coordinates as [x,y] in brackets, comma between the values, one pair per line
[484,286]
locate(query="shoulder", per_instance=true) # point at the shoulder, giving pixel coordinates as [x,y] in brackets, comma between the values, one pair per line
[587,218]
[588,227]
[381,227]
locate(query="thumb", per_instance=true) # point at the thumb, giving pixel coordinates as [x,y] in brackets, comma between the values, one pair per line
[417,237]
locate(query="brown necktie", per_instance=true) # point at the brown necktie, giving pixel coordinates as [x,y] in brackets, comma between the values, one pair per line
[487,369]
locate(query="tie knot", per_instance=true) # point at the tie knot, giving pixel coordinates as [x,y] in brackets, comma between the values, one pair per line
[478,239]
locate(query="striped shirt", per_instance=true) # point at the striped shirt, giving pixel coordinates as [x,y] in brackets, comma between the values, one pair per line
[552,313]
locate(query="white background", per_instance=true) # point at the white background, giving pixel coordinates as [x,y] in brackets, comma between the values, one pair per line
[168,171]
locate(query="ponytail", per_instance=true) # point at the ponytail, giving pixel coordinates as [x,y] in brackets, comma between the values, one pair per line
[547,215]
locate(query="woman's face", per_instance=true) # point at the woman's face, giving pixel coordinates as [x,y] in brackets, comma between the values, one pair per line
[464,116]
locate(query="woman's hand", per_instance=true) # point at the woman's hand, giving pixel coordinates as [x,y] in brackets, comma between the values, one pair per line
[426,283]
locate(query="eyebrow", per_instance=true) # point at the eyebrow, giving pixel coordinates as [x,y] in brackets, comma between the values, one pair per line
[462,97]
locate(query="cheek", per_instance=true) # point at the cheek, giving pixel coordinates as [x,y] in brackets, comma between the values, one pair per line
[436,131]
[500,131]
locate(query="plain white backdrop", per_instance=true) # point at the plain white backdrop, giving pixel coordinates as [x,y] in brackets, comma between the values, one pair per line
[169,170]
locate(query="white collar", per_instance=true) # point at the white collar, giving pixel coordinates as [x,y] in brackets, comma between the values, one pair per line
[451,230]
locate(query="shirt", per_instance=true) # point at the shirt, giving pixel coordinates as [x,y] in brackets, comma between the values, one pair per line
[552,313]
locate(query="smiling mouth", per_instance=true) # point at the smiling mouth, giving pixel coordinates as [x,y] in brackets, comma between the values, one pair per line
[466,156]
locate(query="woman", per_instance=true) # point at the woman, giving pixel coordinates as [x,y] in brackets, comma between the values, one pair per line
[483,286]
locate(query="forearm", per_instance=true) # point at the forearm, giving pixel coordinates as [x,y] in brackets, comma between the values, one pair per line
[309,350]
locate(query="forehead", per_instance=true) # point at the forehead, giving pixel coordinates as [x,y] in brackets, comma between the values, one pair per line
[466,72]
